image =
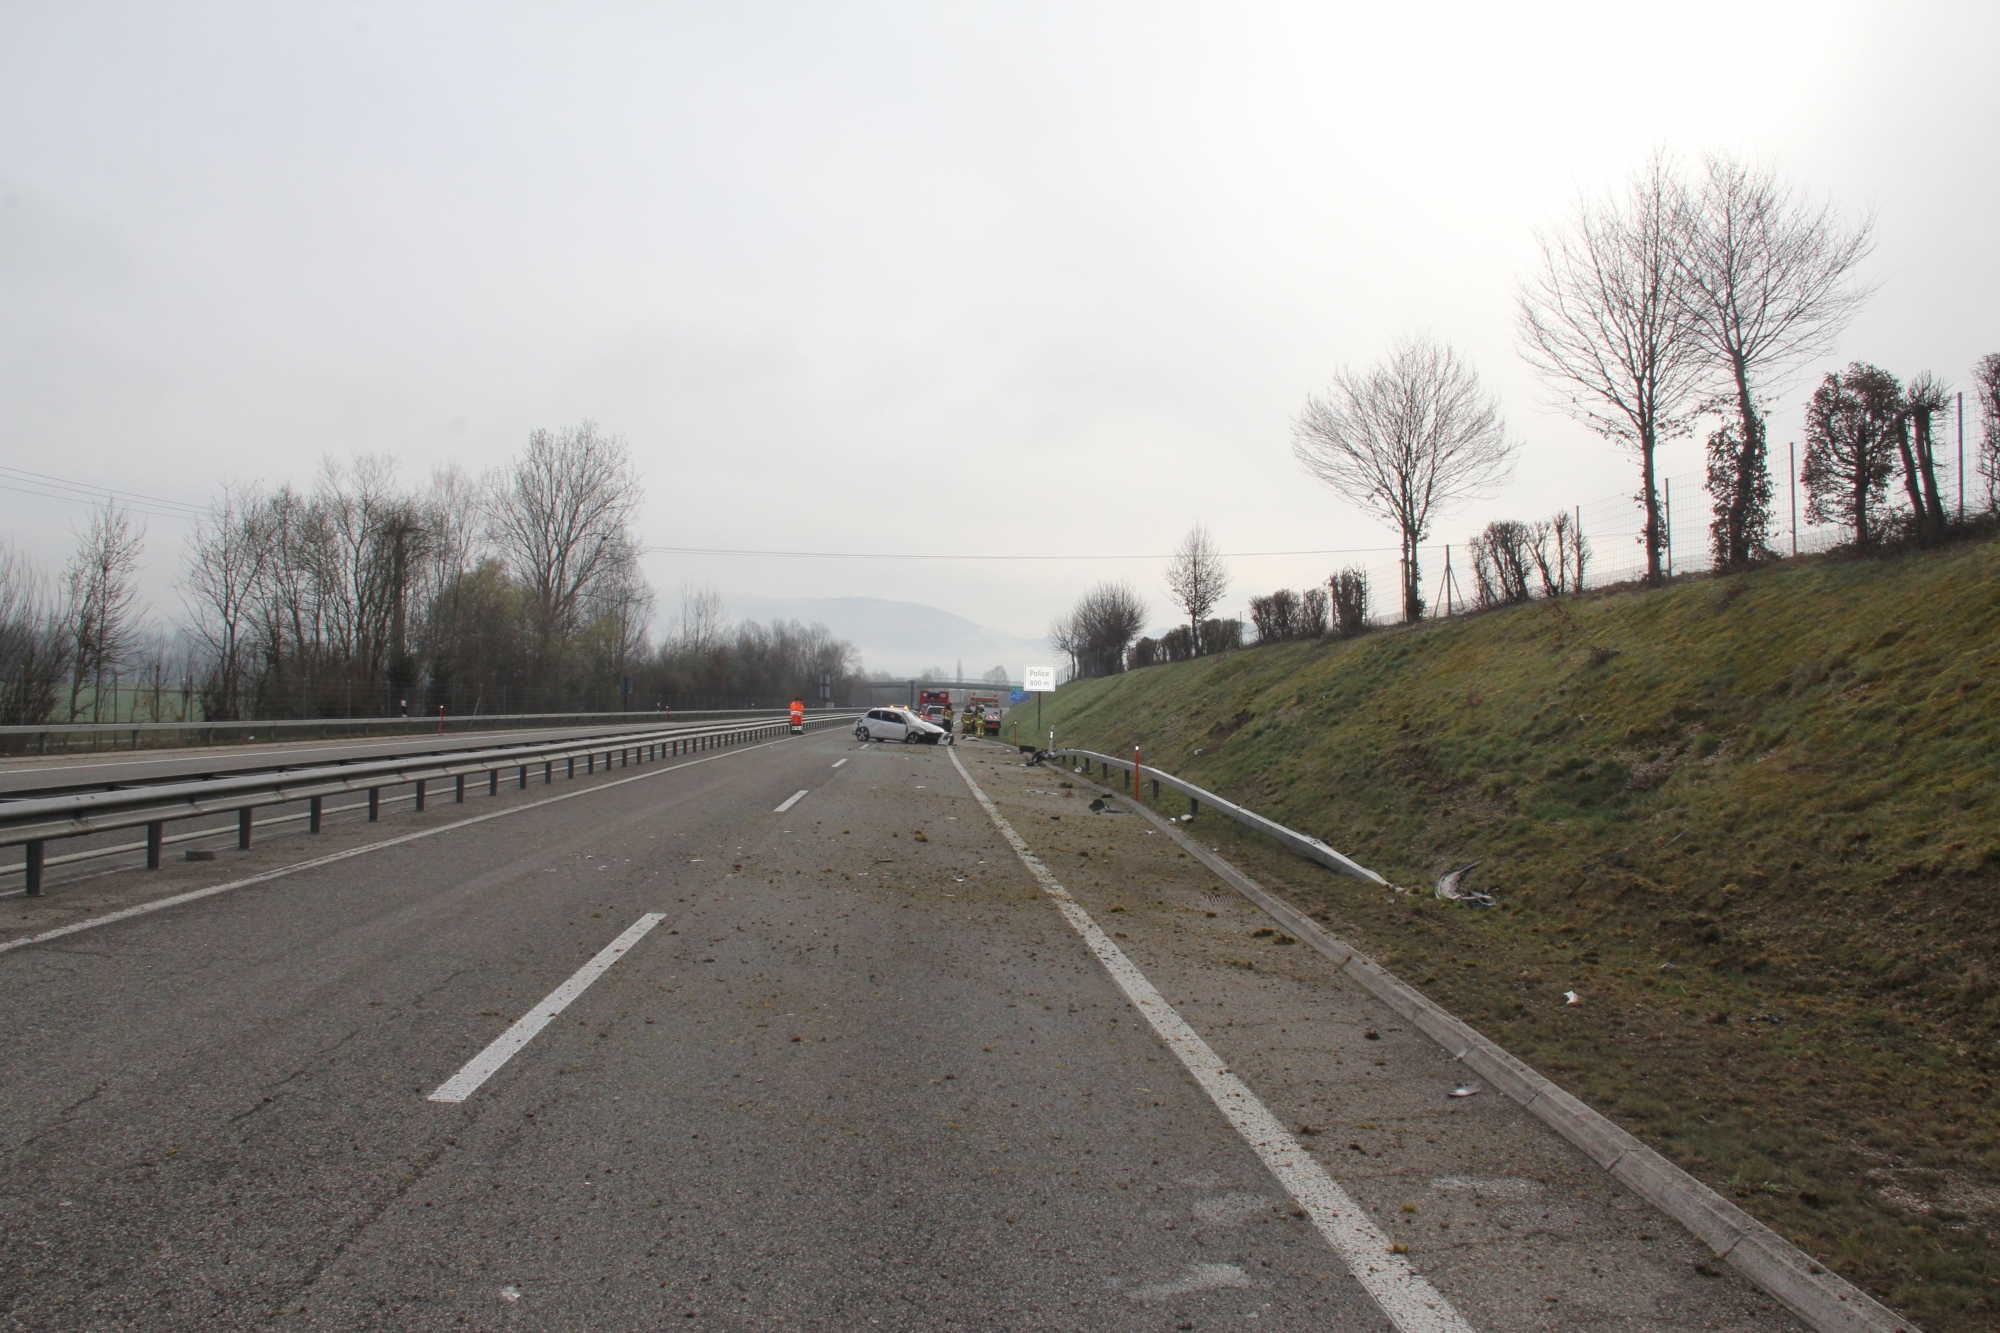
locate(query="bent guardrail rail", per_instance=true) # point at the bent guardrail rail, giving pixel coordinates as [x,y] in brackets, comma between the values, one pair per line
[33,822]
[1303,843]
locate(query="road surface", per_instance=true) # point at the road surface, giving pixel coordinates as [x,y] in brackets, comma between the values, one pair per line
[787,1036]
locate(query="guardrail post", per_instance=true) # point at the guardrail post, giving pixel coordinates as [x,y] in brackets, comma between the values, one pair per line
[1194,807]
[524,777]
[314,811]
[590,763]
[243,829]
[1156,789]
[548,771]
[458,790]
[420,795]
[31,857]
[492,782]
[572,765]
[374,804]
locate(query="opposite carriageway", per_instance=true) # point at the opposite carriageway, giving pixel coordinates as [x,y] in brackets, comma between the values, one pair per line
[34,820]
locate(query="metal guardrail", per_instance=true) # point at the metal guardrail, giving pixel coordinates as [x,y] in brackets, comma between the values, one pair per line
[34,822]
[1304,844]
[326,727]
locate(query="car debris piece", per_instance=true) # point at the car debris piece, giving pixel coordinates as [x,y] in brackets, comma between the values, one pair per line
[1466,1090]
[1450,886]
[1571,997]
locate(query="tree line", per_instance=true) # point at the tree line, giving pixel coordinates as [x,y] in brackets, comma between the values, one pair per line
[1677,303]
[360,595]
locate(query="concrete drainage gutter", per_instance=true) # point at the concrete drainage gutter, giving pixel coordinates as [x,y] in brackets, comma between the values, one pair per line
[1823,1299]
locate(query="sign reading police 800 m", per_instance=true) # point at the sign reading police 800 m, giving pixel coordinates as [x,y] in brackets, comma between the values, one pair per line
[1038,680]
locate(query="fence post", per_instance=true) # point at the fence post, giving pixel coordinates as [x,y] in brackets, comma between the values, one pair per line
[156,835]
[374,804]
[243,829]
[314,810]
[32,861]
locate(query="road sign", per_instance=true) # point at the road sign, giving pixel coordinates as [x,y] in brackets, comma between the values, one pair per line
[1038,680]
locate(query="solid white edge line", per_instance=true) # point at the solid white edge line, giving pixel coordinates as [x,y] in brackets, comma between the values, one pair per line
[503,1047]
[161,904]
[1404,1295]
[790,801]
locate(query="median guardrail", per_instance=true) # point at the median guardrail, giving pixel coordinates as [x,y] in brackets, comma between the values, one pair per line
[35,737]
[34,822]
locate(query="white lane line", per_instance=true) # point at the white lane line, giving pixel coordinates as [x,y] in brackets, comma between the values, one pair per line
[838,762]
[503,1047]
[790,801]
[161,904]
[1411,1302]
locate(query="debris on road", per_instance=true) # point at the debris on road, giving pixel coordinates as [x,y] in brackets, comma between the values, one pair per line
[1571,997]
[1466,1090]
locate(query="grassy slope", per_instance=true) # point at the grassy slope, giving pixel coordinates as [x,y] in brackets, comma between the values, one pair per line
[1785,784]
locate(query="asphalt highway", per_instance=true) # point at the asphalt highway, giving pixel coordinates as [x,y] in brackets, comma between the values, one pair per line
[84,770]
[788,1036]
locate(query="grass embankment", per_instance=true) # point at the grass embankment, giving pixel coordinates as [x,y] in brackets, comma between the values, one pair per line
[1754,822]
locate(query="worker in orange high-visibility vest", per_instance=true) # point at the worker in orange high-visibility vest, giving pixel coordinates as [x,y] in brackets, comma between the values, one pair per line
[798,715]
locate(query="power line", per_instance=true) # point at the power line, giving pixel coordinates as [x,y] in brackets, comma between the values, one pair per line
[908,555]
[61,488]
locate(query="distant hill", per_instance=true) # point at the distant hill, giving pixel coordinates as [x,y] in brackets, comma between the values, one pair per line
[902,637]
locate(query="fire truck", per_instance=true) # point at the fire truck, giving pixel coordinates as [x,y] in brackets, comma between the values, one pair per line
[931,705]
[991,703]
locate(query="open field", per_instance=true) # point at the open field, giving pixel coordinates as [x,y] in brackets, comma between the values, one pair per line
[1751,821]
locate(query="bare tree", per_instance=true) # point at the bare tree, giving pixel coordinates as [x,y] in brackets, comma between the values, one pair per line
[1925,400]
[1349,592]
[1102,627]
[1502,560]
[1769,280]
[561,515]
[1405,439]
[703,620]
[1986,391]
[227,554]
[1606,325]
[35,641]
[996,676]
[1196,580]
[103,594]
[1849,423]
[1313,611]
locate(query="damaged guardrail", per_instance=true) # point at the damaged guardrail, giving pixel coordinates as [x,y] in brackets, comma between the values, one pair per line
[1303,843]
[33,822]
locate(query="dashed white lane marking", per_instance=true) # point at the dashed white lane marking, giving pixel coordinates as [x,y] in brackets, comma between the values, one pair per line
[1410,1301]
[838,762]
[195,895]
[503,1047]
[790,801]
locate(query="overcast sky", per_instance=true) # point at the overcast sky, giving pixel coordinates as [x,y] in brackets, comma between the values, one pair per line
[928,279]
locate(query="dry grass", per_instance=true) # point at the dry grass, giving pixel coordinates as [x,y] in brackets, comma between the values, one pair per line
[1755,822]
